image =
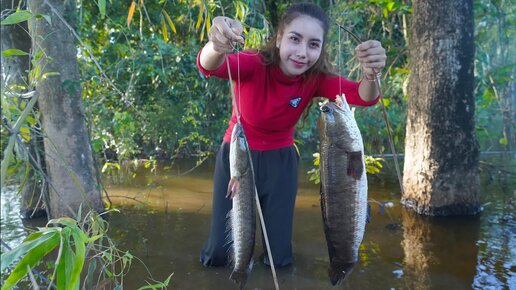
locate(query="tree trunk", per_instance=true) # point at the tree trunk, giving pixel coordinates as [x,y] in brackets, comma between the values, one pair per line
[441,174]
[15,70]
[69,158]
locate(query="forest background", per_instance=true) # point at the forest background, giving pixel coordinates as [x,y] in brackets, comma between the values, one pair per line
[146,100]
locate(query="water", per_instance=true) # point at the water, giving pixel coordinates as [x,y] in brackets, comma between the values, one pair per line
[164,220]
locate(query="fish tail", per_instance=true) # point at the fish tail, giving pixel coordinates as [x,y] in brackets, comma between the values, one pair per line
[338,272]
[240,278]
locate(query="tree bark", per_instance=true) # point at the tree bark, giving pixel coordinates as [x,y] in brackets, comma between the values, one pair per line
[15,70]
[441,175]
[69,158]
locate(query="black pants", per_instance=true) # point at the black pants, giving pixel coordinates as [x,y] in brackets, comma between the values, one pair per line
[276,182]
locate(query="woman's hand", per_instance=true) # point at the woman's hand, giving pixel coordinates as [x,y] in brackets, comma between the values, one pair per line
[225,33]
[372,57]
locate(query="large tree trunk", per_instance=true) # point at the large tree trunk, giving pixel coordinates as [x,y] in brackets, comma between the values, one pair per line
[441,174]
[68,151]
[15,70]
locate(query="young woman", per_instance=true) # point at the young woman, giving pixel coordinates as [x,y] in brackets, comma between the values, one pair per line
[273,87]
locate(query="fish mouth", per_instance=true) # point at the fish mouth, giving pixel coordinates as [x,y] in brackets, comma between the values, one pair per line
[329,107]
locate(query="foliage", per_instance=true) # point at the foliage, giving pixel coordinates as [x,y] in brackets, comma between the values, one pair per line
[495,70]
[145,98]
[76,243]
[164,107]
[373,166]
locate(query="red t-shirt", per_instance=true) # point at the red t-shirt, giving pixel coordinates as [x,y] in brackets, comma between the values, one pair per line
[270,103]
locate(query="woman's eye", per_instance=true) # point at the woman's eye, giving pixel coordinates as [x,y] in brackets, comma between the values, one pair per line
[315,45]
[294,38]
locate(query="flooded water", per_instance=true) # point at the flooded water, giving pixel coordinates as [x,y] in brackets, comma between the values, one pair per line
[165,218]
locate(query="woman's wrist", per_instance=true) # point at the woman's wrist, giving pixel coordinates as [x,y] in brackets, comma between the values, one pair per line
[371,77]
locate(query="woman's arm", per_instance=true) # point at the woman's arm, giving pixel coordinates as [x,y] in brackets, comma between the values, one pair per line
[223,36]
[372,56]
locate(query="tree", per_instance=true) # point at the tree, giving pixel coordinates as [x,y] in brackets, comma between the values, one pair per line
[15,69]
[69,159]
[441,175]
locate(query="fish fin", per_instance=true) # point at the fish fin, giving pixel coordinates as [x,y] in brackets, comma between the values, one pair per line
[338,272]
[355,164]
[233,187]
[240,278]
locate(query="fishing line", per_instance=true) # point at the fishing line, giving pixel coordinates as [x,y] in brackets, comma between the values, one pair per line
[384,109]
[258,205]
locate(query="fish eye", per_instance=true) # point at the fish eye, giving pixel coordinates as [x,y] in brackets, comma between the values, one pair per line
[325,109]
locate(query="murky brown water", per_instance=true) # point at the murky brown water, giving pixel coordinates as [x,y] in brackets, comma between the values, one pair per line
[164,220]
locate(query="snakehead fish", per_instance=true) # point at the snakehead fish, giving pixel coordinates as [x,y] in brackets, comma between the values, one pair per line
[343,187]
[242,217]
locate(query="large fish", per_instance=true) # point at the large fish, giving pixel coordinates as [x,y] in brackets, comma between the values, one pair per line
[242,217]
[343,187]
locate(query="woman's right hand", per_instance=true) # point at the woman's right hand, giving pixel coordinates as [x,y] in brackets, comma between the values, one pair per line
[225,33]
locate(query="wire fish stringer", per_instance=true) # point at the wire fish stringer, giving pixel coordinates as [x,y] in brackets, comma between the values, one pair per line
[384,109]
[236,106]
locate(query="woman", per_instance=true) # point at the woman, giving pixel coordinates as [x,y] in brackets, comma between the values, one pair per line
[273,87]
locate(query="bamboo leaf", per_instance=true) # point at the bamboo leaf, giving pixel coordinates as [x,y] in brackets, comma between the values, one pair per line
[17,17]
[91,272]
[164,29]
[102,8]
[131,13]
[49,74]
[80,253]
[163,284]
[169,20]
[199,18]
[44,16]
[31,259]
[8,53]
[208,22]
[30,242]
[63,262]
[25,133]
[64,221]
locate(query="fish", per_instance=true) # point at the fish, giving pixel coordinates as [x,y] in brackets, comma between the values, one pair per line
[343,187]
[242,217]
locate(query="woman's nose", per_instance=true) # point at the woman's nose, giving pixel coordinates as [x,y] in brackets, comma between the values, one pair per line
[301,51]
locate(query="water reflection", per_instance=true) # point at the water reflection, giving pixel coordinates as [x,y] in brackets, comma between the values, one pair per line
[439,252]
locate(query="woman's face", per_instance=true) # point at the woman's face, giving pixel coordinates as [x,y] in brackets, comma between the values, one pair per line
[300,45]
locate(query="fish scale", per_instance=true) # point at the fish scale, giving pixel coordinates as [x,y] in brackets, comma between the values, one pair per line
[343,188]
[242,217]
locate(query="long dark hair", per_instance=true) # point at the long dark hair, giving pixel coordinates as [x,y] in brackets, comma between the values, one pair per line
[271,53]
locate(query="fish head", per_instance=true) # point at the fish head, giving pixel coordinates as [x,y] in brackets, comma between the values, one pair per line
[238,152]
[337,125]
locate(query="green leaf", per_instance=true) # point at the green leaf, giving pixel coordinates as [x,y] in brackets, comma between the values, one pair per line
[44,16]
[49,74]
[91,272]
[32,241]
[504,141]
[17,17]
[64,262]
[30,260]
[64,221]
[157,285]
[80,253]
[8,53]
[102,8]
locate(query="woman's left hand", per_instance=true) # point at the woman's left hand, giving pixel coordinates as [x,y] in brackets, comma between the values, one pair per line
[372,57]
